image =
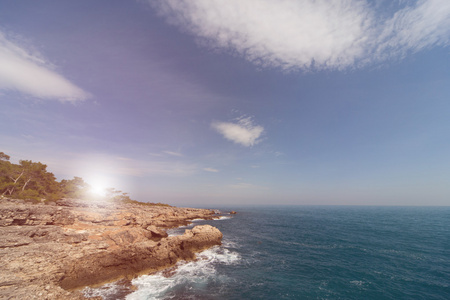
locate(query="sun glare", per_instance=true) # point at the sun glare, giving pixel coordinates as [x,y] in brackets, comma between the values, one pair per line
[98,186]
[98,190]
[99,172]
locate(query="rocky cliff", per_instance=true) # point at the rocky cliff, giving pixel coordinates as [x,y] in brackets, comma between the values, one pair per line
[50,251]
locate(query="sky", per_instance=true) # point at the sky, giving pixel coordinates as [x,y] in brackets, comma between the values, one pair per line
[230,102]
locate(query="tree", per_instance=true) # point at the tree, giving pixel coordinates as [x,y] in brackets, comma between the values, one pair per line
[35,177]
[27,180]
[10,175]
[74,188]
[116,195]
[4,157]
[5,172]
[31,180]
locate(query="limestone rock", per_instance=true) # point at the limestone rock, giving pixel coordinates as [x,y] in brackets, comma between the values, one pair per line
[156,232]
[47,251]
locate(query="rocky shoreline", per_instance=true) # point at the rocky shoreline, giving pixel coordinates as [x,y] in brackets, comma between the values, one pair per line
[52,251]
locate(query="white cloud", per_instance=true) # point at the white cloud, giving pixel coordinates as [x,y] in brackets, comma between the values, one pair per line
[245,186]
[415,28]
[242,132]
[210,170]
[168,168]
[278,154]
[31,75]
[156,154]
[172,153]
[304,34]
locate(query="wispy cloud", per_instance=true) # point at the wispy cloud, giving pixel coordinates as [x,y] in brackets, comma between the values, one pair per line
[123,166]
[306,34]
[172,153]
[156,154]
[242,132]
[243,185]
[425,24]
[278,153]
[210,170]
[27,73]
[169,168]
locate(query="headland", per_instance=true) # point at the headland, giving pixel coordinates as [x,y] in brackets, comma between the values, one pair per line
[52,251]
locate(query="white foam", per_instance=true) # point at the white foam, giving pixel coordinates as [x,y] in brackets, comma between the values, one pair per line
[197,220]
[179,230]
[223,218]
[357,282]
[105,291]
[230,244]
[361,285]
[220,255]
[193,273]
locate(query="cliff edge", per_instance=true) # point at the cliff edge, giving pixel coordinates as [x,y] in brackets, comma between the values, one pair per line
[50,251]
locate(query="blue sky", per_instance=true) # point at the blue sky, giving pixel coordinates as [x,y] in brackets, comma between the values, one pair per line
[233,102]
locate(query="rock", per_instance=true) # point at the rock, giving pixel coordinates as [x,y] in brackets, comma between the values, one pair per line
[54,250]
[155,232]
[28,214]
[136,258]
[201,237]
[233,212]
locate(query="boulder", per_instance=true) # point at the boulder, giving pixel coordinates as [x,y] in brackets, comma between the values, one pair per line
[135,258]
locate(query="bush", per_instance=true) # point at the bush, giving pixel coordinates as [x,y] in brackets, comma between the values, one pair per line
[30,195]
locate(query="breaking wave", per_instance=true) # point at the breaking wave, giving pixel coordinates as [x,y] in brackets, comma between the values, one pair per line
[186,279]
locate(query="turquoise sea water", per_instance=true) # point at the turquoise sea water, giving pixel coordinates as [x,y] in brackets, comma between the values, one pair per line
[305,252]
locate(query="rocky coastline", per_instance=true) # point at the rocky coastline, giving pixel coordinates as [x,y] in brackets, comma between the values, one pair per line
[52,251]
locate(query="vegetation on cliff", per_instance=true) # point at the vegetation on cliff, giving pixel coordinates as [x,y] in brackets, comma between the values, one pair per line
[31,181]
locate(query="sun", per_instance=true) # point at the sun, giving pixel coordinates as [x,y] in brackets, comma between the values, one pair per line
[98,186]
[98,190]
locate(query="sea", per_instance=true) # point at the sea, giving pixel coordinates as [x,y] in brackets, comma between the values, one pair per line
[310,252]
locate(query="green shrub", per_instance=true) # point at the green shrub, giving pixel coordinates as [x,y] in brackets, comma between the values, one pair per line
[29,195]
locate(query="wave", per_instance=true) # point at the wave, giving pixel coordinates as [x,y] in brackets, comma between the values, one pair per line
[109,291]
[178,230]
[197,220]
[196,274]
[224,218]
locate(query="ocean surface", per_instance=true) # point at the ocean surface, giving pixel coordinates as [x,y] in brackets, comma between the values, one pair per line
[312,252]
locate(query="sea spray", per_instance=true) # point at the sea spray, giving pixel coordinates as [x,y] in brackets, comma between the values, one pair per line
[186,279]
[110,291]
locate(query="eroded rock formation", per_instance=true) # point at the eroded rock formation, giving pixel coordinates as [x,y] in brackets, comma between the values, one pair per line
[48,251]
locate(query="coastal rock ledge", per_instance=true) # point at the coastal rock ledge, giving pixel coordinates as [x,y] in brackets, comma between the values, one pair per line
[52,251]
